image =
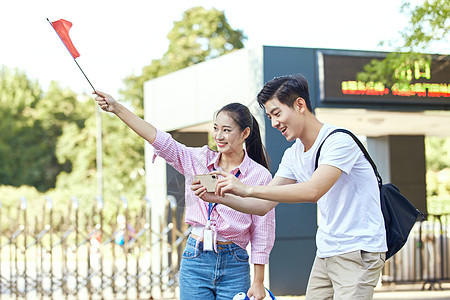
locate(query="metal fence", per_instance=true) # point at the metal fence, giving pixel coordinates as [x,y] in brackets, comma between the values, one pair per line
[78,255]
[425,257]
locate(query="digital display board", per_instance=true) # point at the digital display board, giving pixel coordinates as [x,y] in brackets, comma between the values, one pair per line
[430,81]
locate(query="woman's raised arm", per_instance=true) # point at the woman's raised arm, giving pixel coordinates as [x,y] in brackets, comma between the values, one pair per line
[141,127]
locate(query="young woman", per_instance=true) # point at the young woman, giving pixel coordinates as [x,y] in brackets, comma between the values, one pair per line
[215,264]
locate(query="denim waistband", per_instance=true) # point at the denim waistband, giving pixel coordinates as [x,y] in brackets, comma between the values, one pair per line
[230,247]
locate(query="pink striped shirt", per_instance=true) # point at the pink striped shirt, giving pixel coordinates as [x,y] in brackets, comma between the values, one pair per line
[234,226]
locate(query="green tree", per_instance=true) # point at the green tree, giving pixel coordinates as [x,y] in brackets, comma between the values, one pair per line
[200,35]
[122,147]
[438,174]
[429,23]
[28,133]
[428,26]
[77,146]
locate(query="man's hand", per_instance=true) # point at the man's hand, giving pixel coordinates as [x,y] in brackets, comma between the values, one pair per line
[106,102]
[228,183]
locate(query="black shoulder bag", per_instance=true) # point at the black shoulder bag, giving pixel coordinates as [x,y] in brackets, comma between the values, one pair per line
[399,214]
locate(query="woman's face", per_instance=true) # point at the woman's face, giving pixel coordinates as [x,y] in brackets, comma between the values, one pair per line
[228,136]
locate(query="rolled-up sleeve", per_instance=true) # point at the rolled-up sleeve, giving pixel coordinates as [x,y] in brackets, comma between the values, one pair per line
[262,237]
[178,155]
[262,233]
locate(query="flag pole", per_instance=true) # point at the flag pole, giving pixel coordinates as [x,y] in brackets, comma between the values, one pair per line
[98,116]
[71,55]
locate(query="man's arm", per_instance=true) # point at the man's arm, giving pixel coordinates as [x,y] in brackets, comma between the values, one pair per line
[309,191]
[246,205]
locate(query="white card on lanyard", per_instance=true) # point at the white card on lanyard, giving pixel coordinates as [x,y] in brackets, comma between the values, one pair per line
[207,232]
[207,240]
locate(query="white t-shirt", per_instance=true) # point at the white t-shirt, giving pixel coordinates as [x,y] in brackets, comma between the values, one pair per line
[350,213]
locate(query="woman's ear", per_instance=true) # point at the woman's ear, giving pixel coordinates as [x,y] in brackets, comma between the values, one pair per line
[246,133]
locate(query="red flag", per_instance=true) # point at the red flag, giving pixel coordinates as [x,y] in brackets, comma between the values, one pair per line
[62,28]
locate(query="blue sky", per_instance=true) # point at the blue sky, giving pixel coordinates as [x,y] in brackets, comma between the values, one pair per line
[117,38]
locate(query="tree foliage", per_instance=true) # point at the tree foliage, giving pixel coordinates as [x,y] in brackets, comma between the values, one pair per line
[200,35]
[30,127]
[77,145]
[393,69]
[438,174]
[428,25]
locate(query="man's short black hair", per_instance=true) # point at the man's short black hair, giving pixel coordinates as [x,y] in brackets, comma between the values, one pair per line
[286,89]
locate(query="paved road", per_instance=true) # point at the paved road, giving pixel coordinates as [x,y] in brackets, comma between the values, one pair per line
[413,292]
[413,295]
[403,295]
[388,293]
[402,292]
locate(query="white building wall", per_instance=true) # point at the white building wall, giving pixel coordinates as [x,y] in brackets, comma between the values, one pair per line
[191,96]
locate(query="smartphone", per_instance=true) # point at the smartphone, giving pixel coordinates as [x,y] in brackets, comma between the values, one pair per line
[208,180]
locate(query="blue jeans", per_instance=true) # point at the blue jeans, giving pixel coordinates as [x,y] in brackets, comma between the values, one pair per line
[208,275]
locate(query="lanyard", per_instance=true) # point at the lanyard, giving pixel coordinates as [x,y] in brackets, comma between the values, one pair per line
[211,206]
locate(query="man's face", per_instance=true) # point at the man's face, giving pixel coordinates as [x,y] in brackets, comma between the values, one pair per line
[284,118]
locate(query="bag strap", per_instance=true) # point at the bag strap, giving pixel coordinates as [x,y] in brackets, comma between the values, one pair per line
[366,154]
[361,146]
[271,294]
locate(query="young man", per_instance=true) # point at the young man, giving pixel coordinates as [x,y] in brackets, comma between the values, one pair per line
[351,238]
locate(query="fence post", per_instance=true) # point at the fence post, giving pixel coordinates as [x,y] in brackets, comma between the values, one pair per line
[1,250]
[100,205]
[148,222]
[23,207]
[75,206]
[173,239]
[126,234]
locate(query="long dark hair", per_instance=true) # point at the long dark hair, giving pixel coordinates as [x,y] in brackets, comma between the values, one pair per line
[253,143]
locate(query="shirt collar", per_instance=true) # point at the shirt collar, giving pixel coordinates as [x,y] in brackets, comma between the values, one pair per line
[243,167]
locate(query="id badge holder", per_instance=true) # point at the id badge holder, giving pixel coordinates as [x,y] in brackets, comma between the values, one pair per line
[207,238]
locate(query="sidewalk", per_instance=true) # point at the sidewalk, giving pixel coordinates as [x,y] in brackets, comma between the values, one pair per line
[399,292]
[402,295]
[413,292]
